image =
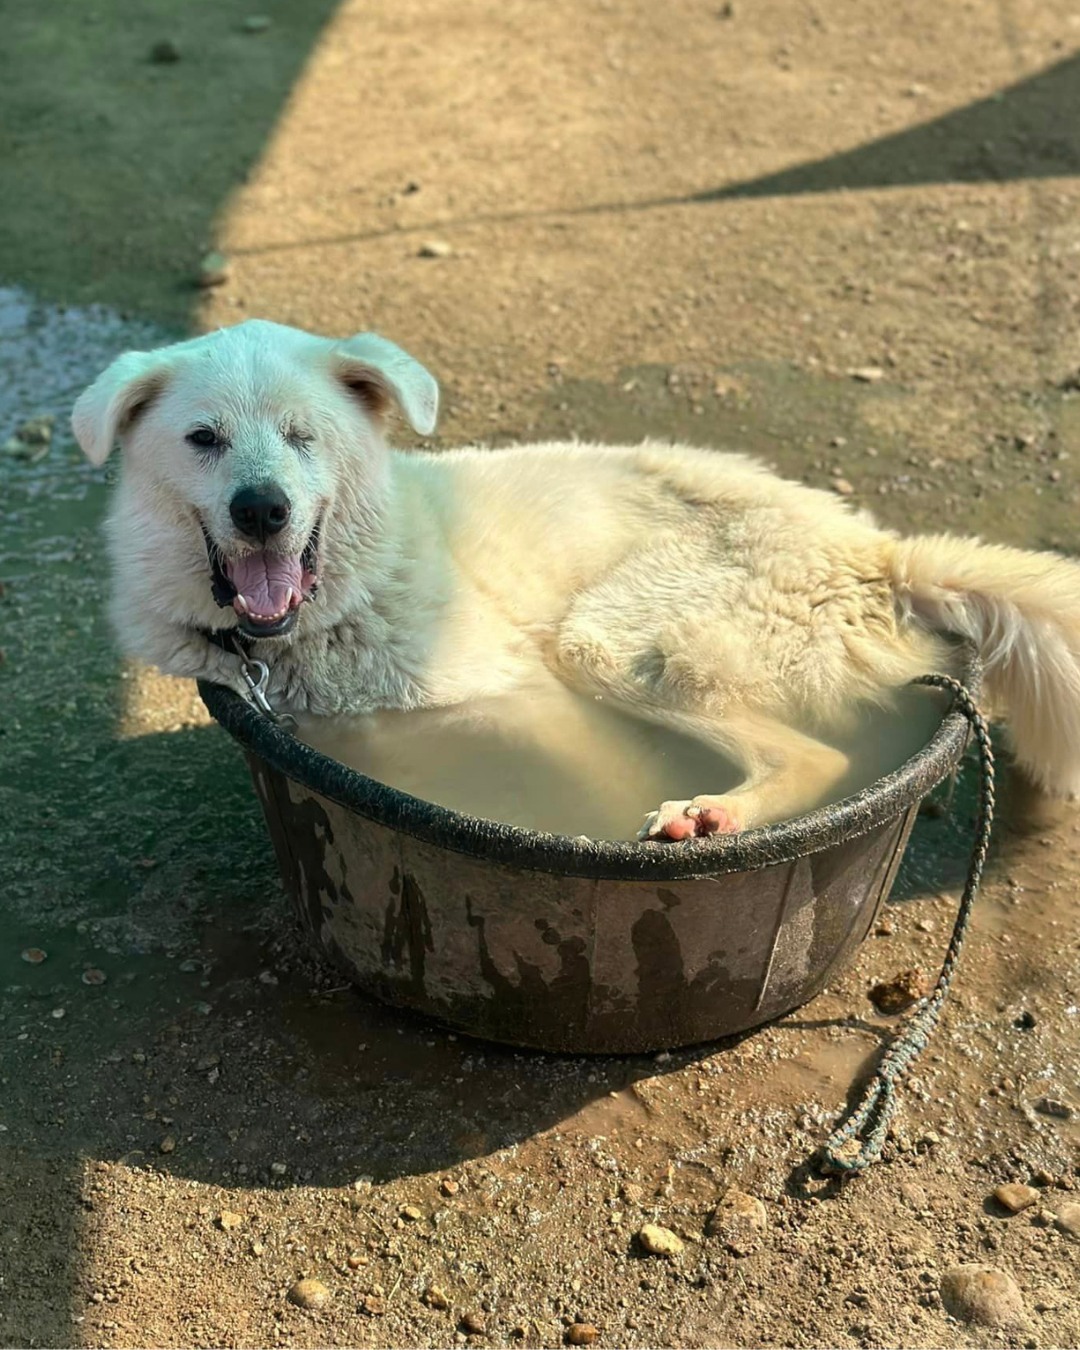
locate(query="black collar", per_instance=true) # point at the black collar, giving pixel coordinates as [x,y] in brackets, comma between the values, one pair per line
[228,639]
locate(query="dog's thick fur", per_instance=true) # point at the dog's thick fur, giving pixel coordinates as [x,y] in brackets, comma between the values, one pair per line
[695,588]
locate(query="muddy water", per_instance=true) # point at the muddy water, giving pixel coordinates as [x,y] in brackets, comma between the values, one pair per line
[574,764]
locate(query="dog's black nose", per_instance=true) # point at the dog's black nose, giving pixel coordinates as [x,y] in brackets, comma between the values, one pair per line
[260,512]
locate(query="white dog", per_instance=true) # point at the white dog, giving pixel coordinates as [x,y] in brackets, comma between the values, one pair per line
[694,588]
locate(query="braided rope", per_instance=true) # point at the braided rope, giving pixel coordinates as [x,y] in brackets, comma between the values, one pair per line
[858,1140]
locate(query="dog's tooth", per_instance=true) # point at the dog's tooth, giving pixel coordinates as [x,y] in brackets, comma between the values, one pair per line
[240,602]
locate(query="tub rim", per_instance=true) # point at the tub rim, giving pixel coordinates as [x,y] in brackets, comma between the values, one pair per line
[616,860]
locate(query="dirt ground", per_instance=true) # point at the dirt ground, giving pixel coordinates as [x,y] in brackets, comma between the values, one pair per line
[844,237]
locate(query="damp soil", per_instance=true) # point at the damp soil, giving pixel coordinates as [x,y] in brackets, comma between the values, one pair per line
[219,1116]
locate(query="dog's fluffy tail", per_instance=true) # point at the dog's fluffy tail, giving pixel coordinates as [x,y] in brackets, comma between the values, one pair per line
[1022,612]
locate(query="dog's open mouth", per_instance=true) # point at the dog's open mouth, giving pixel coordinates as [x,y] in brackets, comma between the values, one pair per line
[266,589]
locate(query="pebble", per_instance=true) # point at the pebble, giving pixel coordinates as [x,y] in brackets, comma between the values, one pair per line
[867,374]
[739,1221]
[34,955]
[36,430]
[165,52]
[411,1212]
[94,976]
[374,1305]
[58,1013]
[214,270]
[914,1196]
[898,992]
[449,1186]
[1068,1219]
[355,1260]
[473,1324]
[256,23]
[229,1220]
[309,1293]
[659,1241]
[279,1169]
[581,1333]
[167,1145]
[843,487]
[1015,1197]
[982,1294]
[435,1297]
[1054,1106]
[434,248]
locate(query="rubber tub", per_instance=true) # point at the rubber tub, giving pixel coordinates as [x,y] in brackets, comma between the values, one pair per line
[569,945]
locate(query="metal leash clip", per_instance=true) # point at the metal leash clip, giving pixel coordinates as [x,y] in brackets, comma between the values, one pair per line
[257,676]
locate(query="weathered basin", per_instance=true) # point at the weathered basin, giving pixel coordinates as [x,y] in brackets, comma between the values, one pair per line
[546,941]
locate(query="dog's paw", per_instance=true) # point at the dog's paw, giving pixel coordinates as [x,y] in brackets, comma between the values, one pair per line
[692,819]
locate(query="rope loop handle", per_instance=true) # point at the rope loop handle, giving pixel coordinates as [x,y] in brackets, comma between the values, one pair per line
[859,1138]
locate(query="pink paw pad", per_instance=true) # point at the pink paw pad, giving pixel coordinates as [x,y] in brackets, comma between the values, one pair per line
[714,819]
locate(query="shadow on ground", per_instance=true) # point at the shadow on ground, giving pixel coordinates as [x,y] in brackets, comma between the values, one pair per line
[130,155]
[1030,130]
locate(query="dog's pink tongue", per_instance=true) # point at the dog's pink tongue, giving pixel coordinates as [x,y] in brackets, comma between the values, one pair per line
[266,583]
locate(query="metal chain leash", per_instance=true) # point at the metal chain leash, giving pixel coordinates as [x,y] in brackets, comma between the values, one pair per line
[858,1140]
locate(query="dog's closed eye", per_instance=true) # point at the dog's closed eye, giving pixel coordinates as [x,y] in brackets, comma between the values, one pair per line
[206,439]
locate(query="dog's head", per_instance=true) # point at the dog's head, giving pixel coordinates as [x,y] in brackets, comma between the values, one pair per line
[249,436]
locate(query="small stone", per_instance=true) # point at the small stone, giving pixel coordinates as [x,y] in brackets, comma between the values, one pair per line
[1042,1177]
[982,1294]
[164,52]
[659,1241]
[355,1260]
[214,270]
[1054,1106]
[739,1221]
[312,1294]
[842,487]
[473,1324]
[94,976]
[257,1248]
[886,928]
[374,1305]
[256,23]
[167,1145]
[434,248]
[36,430]
[278,1169]
[207,1062]
[1014,1197]
[899,992]
[581,1333]
[411,1212]
[1067,1219]
[914,1196]
[229,1221]
[449,1186]
[435,1297]
[34,955]
[867,374]
[58,1013]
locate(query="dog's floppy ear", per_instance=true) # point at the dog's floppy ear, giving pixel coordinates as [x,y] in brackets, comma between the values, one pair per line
[114,400]
[379,373]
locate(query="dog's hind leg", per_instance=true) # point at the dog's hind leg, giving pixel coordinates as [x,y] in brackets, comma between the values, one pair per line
[786,772]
